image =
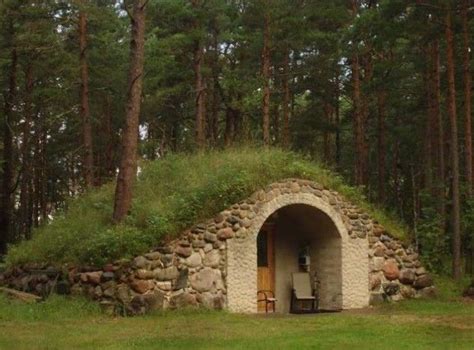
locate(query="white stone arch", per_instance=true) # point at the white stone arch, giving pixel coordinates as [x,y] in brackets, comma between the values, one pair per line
[241,269]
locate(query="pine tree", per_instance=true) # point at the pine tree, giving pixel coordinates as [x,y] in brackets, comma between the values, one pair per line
[128,162]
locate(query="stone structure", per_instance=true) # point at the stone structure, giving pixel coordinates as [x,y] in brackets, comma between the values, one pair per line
[214,264]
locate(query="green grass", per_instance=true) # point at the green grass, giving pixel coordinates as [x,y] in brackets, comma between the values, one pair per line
[61,323]
[170,195]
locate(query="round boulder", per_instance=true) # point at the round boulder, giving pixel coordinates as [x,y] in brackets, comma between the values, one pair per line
[391,288]
[407,276]
[377,263]
[212,258]
[407,292]
[225,233]
[203,280]
[374,282]
[183,300]
[390,270]
[194,260]
[428,292]
[141,286]
[423,281]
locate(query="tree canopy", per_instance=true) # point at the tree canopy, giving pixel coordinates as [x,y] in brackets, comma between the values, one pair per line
[377,90]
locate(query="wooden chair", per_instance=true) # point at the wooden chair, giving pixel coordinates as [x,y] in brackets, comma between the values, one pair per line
[268,297]
[303,293]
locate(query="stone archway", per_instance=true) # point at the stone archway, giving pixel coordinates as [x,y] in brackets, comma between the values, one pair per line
[299,227]
[241,271]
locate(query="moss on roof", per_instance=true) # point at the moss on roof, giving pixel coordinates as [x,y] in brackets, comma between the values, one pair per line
[170,195]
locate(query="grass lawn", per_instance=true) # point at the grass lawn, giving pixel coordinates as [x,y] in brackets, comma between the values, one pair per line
[61,323]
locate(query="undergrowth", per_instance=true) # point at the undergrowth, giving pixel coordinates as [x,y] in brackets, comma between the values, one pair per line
[170,195]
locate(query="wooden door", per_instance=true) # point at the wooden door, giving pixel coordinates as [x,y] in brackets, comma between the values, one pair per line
[265,261]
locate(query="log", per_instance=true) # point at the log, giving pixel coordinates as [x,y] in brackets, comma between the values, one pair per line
[22,296]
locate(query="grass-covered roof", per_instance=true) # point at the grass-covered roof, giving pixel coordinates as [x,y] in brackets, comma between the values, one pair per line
[170,195]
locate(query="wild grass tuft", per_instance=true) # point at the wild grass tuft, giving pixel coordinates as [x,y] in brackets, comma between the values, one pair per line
[55,308]
[170,195]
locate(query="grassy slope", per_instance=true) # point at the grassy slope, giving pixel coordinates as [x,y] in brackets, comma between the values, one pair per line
[171,195]
[444,323]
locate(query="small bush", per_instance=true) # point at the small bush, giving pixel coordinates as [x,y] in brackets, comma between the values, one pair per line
[170,195]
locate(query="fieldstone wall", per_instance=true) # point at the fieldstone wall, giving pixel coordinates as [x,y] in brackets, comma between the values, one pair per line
[395,269]
[213,265]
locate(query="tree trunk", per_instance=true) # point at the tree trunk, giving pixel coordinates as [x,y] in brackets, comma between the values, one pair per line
[229,127]
[276,121]
[358,129]
[396,170]
[451,106]
[72,177]
[44,178]
[381,182]
[266,79]
[364,118]
[6,209]
[109,146]
[427,134]
[200,103]
[128,161]
[238,126]
[326,137]
[26,171]
[88,158]
[438,132]
[200,98]
[337,122]
[415,201]
[213,124]
[104,155]
[467,97]
[286,100]
[38,171]
[358,115]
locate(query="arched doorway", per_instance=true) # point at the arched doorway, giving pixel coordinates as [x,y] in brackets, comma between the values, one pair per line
[300,238]
[337,251]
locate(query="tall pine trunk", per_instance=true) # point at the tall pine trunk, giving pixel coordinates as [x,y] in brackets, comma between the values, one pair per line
[286,100]
[427,133]
[266,79]
[337,121]
[358,128]
[396,170]
[275,113]
[26,170]
[200,98]
[364,118]
[328,112]
[38,172]
[358,114]
[200,102]
[213,122]
[44,179]
[88,156]
[467,97]
[451,106]
[128,161]
[381,142]
[109,169]
[438,130]
[6,208]
[229,127]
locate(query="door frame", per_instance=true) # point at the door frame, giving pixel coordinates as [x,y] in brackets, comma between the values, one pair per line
[269,284]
